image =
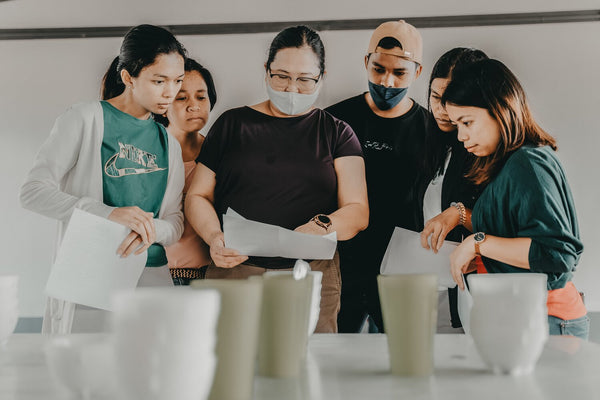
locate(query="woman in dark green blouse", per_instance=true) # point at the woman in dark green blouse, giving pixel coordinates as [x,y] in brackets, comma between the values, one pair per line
[525,219]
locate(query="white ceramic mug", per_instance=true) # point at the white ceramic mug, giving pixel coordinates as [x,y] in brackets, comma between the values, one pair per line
[509,319]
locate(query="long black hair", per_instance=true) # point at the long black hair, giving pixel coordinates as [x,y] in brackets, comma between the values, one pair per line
[141,45]
[193,65]
[437,142]
[298,36]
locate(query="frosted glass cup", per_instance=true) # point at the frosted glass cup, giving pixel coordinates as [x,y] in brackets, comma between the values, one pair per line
[409,307]
[237,336]
[284,325]
[315,303]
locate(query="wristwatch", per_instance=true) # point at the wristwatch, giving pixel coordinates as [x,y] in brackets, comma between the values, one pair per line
[322,220]
[479,238]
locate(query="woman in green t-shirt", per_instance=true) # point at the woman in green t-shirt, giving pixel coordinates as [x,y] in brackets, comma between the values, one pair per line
[110,158]
[525,219]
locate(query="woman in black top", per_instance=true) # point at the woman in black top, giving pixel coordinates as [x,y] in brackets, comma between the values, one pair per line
[442,185]
[282,162]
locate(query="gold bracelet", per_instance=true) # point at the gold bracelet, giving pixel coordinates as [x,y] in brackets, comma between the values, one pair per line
[462,212]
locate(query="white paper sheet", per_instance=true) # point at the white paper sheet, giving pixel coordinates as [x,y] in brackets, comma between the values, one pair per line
[87,269]
[405,255]
[258,239]
[465,303]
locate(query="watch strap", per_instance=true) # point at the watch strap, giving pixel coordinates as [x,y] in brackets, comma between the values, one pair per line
[479,238]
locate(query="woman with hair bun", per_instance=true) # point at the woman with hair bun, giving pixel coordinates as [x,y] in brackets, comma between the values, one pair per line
[110,158]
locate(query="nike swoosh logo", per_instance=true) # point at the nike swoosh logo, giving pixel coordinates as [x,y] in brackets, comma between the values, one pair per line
[111,169]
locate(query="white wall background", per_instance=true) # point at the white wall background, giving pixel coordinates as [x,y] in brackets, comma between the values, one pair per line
[557,63]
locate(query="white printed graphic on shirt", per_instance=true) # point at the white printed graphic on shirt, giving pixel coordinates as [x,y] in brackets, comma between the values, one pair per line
[378,146]
[131,153]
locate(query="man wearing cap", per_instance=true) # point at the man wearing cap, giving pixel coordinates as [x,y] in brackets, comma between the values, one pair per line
[391,129]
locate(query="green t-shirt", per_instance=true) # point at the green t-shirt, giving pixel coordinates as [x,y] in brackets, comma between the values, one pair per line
[135,163]
[530,197]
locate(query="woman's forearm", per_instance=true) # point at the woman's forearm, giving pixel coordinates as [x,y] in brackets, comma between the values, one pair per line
[201,214]
[511,251]
[349,220]
[468,224]
[352,215]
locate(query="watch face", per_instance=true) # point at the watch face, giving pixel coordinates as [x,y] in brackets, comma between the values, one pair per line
[324,219]
[479,237]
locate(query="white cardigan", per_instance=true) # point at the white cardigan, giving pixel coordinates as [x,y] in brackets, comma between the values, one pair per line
[67,174]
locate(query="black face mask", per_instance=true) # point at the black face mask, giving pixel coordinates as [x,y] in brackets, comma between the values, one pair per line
[386,98]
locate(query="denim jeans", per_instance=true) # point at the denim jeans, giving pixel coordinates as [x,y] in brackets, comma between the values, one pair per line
[579,327]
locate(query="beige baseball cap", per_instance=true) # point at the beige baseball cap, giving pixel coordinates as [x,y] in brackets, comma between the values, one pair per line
[408,36]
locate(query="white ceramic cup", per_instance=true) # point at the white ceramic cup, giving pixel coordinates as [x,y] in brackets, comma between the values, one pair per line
[409,307]
[509,320]
[164,342]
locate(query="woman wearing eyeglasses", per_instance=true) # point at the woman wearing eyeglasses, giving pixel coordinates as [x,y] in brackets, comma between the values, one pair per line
[282,162]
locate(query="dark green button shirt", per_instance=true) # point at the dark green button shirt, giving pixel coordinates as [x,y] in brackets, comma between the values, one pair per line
[530,198]
[135,162]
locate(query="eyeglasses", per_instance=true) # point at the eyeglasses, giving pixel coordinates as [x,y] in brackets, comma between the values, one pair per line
[283,81]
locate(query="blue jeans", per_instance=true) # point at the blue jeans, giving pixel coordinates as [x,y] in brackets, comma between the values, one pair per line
[579,327]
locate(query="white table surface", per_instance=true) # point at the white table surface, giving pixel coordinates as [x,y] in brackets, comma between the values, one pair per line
[346,367]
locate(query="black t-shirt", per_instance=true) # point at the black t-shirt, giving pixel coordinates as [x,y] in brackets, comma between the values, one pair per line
[391,148]
[274,170]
